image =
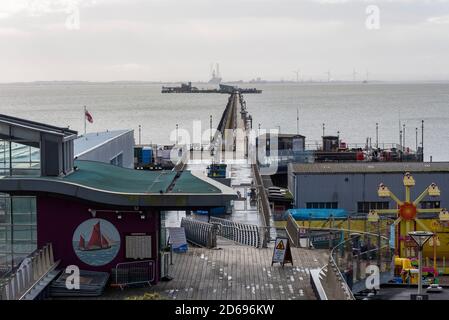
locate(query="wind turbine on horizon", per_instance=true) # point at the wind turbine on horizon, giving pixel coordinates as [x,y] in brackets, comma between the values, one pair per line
[328,75]
[297,72]
[354,75]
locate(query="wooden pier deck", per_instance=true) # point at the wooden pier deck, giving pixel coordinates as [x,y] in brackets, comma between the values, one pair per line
[234,272]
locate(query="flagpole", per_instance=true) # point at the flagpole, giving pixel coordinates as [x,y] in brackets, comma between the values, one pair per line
[85,109]
[297,120]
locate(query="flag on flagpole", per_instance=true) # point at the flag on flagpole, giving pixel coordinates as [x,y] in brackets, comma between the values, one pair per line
[88,116]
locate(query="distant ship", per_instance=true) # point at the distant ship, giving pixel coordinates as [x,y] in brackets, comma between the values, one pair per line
[215,75]
[97,241]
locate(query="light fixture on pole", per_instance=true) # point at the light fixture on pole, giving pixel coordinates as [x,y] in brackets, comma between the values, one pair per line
[420,237]
[140,134]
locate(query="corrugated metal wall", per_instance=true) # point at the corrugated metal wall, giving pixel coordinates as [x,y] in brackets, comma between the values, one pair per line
[348,189]
[123,144]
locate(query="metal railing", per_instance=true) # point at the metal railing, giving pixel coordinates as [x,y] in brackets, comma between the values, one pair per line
[133,273]
[247,234]
[263,205]
[32,270]
[200,233]
[354,255]
[293,231]
[346,270]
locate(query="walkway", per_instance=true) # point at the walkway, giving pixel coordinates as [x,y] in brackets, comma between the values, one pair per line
[235,272]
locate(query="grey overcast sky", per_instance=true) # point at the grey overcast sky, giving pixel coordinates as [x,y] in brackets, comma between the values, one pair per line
[173,40]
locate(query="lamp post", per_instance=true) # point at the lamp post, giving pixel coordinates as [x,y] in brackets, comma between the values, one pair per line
[140,134]
[420,237]
[210,128]
[377,135]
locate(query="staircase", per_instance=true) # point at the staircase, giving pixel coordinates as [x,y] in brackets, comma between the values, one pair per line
[30,279]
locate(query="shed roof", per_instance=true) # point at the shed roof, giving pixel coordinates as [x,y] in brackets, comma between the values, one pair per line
[37,126]
[105,183]
[85,143]
[367,167]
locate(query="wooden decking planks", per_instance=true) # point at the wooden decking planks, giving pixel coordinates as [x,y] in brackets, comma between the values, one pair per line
[234,272]
[240,272]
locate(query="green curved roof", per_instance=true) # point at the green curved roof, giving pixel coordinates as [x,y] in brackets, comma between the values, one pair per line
[102,176]
[188,183]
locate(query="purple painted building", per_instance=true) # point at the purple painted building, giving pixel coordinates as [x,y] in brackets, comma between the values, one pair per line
[95,215]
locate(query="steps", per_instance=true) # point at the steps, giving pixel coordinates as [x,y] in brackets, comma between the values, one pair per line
[41,285]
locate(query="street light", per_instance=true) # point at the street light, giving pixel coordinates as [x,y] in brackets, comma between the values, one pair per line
[420,237]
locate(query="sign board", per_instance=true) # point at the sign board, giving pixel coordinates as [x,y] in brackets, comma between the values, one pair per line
[138,246]
[282,252]
[177,238]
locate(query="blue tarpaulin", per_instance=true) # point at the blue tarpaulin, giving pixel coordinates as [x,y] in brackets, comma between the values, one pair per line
[316,214]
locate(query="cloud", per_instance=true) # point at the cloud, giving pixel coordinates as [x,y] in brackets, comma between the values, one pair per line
[439,20]
[126,67]
[9,8]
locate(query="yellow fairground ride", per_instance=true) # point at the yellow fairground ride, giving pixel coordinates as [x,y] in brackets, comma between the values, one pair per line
[407,219]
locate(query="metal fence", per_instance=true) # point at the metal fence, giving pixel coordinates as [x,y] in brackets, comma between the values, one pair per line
[200,233]
[347,270]
[353,256]
[27,276]
[263,205]
[349,259]
[133,273]
[328,284]
[247,234]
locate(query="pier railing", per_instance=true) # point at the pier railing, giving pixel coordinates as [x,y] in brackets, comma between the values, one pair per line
[27,276]
[355,258]
[263,205]
[246,234]
[200,233]
[352,259]
[350,263]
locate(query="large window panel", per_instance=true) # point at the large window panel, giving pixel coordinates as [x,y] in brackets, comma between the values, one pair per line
[18,231]
[19,158]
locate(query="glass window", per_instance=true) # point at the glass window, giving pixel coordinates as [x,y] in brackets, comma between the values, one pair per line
[367,206]
[18,231]
[19,158]
[430,205]
[118,160]
[322,205]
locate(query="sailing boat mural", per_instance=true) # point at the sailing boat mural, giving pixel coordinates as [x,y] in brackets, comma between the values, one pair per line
[96,242]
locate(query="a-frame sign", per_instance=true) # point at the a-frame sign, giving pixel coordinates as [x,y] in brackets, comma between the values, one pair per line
[282,252]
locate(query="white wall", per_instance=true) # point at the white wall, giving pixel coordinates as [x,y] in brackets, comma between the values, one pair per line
[104,153]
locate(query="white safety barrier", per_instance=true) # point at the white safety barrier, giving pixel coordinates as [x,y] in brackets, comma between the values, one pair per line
[30,272]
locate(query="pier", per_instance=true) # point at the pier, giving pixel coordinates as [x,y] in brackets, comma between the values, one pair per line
[232,269]
[223,88]
[235,272]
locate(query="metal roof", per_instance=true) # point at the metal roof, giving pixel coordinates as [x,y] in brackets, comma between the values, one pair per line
[37,126]
[104,183]
[367,167]
[85,143]
[282,135]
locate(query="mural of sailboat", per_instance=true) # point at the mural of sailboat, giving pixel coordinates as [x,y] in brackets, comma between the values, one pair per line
[97,241]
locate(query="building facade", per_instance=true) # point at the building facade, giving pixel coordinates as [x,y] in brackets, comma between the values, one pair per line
[353,186]
[115,147]
[95,214]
